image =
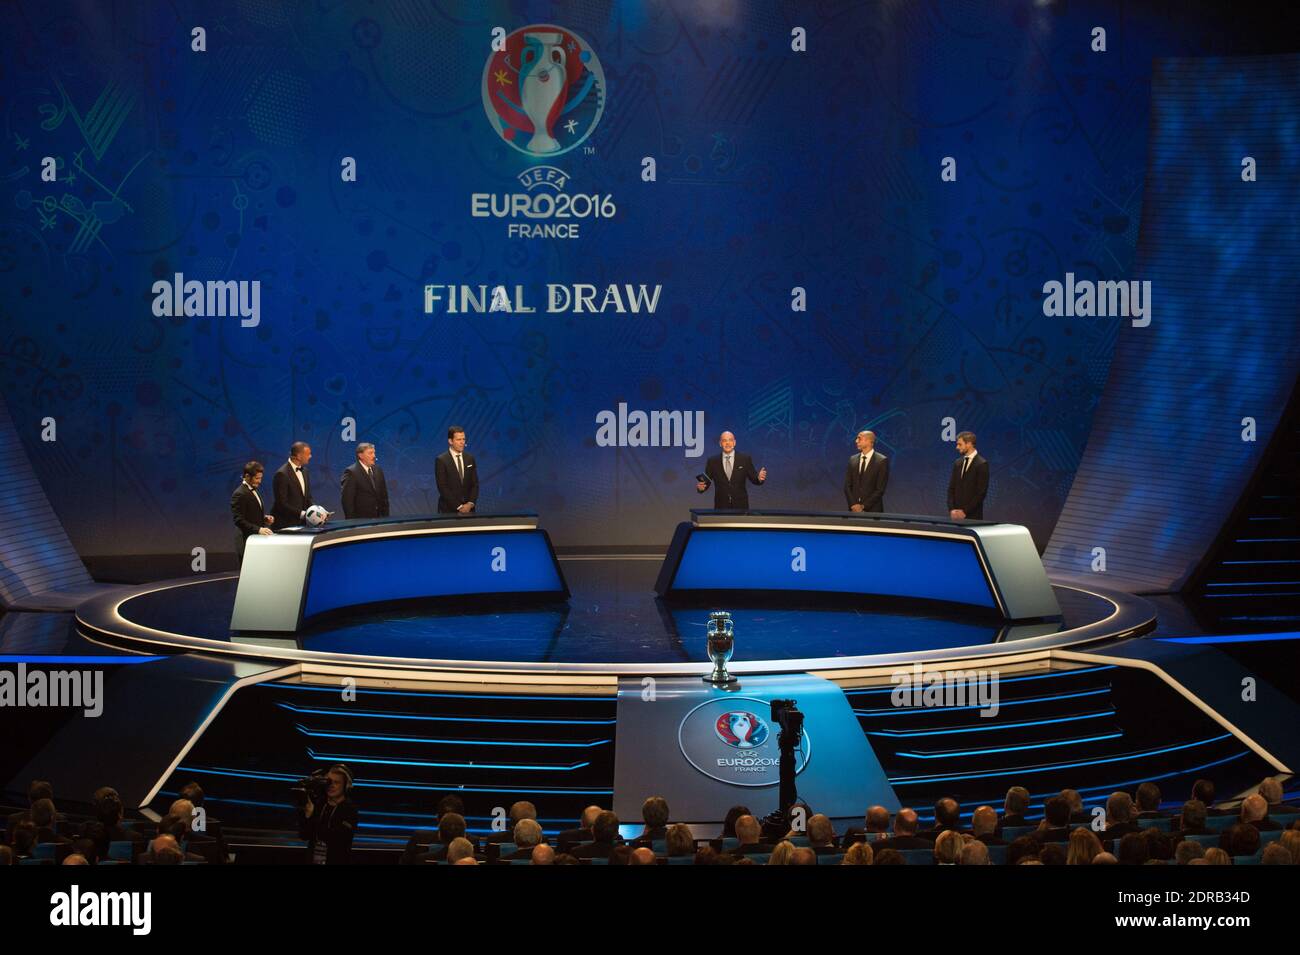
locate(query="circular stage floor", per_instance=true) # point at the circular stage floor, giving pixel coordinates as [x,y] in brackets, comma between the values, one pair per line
[613,622]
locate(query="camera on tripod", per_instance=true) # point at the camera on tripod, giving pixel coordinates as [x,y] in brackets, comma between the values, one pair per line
[785,713]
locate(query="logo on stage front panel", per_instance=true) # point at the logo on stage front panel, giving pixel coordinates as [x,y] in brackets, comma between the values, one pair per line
[740,729]
[736,746]
[544,92]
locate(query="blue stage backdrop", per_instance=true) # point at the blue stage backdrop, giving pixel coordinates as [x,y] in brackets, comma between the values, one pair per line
[335,154]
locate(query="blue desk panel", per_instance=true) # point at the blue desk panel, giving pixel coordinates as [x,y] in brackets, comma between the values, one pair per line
[932,568]
[434,565]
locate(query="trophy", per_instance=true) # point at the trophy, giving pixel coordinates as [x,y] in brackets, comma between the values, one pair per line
[541,83]
[721,644]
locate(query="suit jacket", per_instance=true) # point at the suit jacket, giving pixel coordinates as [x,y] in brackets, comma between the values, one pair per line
[967,493]
[364,496]
[290,501]
[731,495]
[246,509]
[452,492]
[867,489]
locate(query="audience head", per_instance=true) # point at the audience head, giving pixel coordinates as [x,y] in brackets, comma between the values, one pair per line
[522,810]
[76,858]
[183,808]
[6,856]
[889,857]
[974,853]
[948,847]
[905,822]
[43,813]
[1148,797]
[1119,808]
[1024,847]
[1057,812]
[588,818]
[1270,789]
[946,813]
[107,805]
[450,804]
[1253,808]
[451,826]
[984,821]
[40,789]
[747,830]
[820,831]
[859,853]
[1084,846]
[679,840]
[1053,853]
[654,811]
[1203,790]
[1188,850]
[1160,846]
[459,848]
[193,792]
[781,854]
[527,833]
[605,828]
[1291,842]
[1194,814]
[642,856]
[1104,858]
[1017,801]
[1243,839]
[1132,849]
[877,819]
[1216,856]
[1073,799]
[803,856]
[543,855]
[1275,854]
[729,820]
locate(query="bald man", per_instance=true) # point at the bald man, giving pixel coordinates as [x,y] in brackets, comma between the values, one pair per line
[728,472]
[867,477]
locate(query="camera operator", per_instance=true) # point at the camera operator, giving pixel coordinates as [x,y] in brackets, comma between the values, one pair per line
[329,827]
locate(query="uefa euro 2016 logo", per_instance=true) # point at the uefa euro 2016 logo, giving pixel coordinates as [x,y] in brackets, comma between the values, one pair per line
[544,92]
[741,730]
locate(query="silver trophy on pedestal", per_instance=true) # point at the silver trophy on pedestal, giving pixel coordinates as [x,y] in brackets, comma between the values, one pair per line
[721,644]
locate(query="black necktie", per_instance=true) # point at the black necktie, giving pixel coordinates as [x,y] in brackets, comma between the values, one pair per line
[965,463]
[460,468]
[863,469]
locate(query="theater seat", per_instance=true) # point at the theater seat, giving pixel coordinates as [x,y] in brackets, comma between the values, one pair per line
[1247,860]
[1012,833]
[997,855]
[122,850]
[919,856]
[1219,823]
[829,859]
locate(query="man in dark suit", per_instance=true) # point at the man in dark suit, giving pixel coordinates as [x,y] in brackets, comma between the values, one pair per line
[364,490]
[605,833]
[876,827]
[291,485]
[867,477]
[456,475]
[905,836]
[969,482]
[728,472]
[247,509]
[1056,812]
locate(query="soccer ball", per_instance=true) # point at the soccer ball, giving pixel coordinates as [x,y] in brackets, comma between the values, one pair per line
[316,515]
